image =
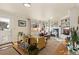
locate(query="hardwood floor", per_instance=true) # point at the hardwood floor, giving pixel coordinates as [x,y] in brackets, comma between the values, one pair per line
[54,47]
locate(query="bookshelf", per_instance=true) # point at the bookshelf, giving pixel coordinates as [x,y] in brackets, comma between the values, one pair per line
[65,24]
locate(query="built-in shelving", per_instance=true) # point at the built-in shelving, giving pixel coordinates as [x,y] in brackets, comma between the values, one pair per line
[65,22]
[65,25]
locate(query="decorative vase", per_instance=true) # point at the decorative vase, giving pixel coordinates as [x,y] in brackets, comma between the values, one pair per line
[74,46]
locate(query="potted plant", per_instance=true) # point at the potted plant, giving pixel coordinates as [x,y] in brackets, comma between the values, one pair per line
[74,38]
[32,49]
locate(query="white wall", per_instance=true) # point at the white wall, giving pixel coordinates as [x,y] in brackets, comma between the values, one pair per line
[74,13]
[14,29]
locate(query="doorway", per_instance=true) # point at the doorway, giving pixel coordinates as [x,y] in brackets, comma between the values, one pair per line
[4,30]
[56,32]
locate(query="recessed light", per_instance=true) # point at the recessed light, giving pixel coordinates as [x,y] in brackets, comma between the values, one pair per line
[27,5]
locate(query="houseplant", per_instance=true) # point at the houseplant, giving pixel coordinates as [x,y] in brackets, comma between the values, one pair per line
[32,49]
[74,38]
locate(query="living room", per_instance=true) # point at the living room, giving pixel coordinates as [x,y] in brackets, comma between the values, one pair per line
[44,25]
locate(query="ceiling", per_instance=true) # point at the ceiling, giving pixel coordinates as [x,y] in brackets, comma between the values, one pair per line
[39,11]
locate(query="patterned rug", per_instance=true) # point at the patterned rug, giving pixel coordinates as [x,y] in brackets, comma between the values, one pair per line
[8,50]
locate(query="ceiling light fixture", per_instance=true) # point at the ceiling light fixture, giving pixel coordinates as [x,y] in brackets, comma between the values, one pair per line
[27,5]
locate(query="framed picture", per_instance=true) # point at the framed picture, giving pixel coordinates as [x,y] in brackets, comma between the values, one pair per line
[21,23]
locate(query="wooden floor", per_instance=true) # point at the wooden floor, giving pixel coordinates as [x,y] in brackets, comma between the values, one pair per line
[54,47]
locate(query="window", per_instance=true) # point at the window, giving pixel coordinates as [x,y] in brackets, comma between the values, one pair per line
[4,23]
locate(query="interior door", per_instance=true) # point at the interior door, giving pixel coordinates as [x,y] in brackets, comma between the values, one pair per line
[4,31]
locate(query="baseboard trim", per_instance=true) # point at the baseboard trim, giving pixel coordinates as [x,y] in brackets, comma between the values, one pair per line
[6,43]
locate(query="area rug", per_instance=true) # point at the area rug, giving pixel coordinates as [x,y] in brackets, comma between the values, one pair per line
[8,50]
